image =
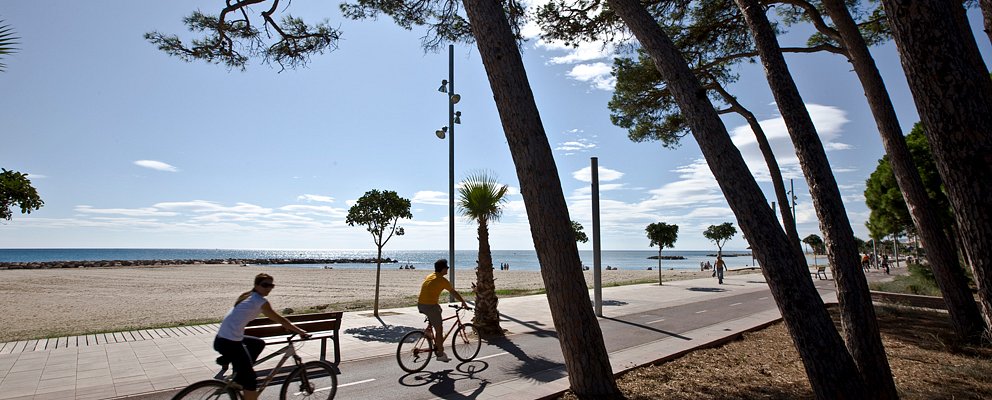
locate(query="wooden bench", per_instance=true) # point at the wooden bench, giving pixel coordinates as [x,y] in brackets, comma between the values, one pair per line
[321,326]
[820,269]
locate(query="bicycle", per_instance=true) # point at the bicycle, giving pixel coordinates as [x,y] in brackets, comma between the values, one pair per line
[307,380]
[417,347]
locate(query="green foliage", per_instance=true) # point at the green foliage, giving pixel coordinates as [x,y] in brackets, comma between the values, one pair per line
[869,16]
[441,18]
[580,236]
[232,38]
[7,43]
[379,212]
[816,243]
[889,214]
[662,235]
[720,234]
[920,281]
[481,197]
[16,190]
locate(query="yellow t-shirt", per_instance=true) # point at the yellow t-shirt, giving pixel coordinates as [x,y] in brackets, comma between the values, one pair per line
[432,287]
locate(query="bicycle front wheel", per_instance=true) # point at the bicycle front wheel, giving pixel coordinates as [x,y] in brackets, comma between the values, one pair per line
[466,343]
[206,390]
[312,380]
[414,351]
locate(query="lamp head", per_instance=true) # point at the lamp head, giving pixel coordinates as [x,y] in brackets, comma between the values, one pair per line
[440,132]
[444,86]
[458,117]
[455,98]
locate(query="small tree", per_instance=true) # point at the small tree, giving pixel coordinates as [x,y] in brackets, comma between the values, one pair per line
[379,212]
[580,236]
[816,243]
[481,198]
[16,190]
[663,235]
[720,234]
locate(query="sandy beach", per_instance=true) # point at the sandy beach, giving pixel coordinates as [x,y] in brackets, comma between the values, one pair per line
[59,302]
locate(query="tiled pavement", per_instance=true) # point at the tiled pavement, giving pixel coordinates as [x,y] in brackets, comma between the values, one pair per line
[122,364]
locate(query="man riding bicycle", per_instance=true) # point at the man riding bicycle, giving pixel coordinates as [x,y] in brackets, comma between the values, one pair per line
[428,304]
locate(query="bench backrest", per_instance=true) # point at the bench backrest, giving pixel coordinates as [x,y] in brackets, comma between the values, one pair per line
[317,322]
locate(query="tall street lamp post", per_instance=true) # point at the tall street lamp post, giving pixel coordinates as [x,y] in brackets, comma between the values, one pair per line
[454,117]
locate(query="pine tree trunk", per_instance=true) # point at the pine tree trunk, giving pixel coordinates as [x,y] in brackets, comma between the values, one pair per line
[857,312]
[953,95]
[659,265]
[824,357]
[986,6]
[486,318]
[774,172]
[586,359]
[941,254]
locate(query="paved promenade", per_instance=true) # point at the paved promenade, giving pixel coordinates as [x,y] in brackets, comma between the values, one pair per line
[139,363]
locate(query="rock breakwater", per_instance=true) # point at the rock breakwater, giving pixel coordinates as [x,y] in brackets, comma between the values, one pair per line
[141,263]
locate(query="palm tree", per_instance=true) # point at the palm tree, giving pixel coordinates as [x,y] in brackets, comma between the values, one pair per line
[7,42]
[481,198]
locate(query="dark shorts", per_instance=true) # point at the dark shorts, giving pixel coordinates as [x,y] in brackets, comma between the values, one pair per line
[433,313]
[242,356]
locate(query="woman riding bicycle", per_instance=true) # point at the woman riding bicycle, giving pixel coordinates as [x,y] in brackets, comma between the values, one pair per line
[240,350]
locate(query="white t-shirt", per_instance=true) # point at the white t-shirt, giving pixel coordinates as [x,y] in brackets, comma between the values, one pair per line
[233,326]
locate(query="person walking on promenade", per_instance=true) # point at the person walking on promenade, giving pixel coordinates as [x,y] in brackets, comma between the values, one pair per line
[885,263]
[719,268]
[865,262]
[427,303]
[240,350]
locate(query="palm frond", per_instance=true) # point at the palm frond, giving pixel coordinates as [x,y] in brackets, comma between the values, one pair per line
[481,197]
[7,43]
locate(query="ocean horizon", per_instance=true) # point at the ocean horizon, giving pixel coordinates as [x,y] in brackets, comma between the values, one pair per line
[517,259]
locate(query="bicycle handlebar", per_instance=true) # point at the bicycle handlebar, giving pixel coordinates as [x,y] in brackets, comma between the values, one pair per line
[459,307]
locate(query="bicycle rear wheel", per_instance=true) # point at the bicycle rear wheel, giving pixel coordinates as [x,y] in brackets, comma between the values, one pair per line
[466,343]
[206,390]
[414,351]
[312,380]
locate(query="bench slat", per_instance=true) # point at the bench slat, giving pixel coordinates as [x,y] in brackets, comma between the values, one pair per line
[279,330]
[299,318]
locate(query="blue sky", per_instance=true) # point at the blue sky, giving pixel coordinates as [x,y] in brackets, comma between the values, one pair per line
[132,148]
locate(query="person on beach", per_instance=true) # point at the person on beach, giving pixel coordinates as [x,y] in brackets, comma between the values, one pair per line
[718,268]
[427,303]
[240,350]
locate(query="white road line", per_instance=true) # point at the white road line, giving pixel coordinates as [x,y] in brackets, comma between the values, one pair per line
[763,298]
[655,321]
[700,312]
[355,383]
[494,355]
[736,304]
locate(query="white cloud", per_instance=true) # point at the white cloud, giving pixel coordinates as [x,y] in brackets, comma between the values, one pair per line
[156,165]
[598,74]
[605,174]
[586,51]
[582,145]
[430,197]
[828,121]
[203,206]
[132,212]
[315,210]
[315,197]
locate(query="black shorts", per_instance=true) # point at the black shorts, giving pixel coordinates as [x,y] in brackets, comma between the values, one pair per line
[242,356]
[433,313]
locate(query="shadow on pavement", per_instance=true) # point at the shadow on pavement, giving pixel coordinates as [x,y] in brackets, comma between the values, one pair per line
[614,303]
[672,334]
[387,333]
[442,383]
[706,289]
[530,366]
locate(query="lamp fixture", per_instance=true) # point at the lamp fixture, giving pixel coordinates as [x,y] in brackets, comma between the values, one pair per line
[440,132]
[458,117]
[444,86]
[455,98]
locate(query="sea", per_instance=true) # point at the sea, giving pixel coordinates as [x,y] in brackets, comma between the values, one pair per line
[525,260]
